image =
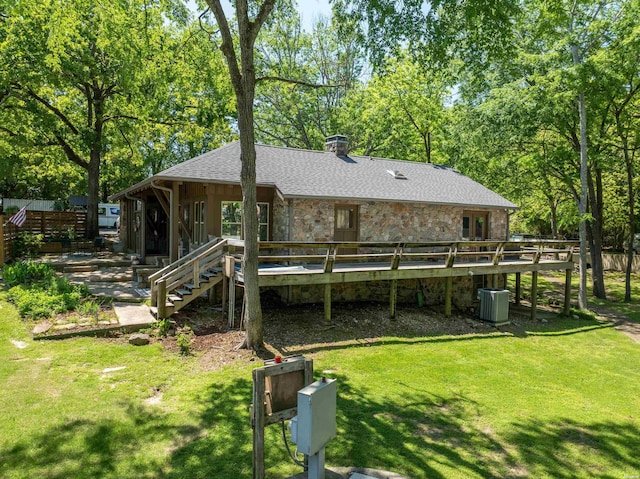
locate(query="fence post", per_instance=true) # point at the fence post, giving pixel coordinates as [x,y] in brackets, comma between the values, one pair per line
[2,257]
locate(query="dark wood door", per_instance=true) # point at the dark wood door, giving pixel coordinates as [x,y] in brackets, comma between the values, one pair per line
[346,226]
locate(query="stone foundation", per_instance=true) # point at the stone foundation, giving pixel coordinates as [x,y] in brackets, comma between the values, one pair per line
[432,290]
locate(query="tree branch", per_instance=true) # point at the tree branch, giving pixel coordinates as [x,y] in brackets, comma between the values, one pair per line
[49,107]
[227,40]
[295,82]
[146,120]
[71,154]
[261,17]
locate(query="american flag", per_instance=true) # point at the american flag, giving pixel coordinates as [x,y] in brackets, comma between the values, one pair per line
[19,218]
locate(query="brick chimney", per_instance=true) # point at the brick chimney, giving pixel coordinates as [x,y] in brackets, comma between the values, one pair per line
[338,144]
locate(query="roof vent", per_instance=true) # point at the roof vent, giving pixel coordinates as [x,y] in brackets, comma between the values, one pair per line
[396,174]
[338,144]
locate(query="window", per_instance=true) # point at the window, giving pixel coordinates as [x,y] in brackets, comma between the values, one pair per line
[232,220]
[115,211]
[199,231]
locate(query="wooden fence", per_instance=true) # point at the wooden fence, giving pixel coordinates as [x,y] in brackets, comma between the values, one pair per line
[53,225]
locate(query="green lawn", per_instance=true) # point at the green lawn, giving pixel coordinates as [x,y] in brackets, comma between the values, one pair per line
[561,399]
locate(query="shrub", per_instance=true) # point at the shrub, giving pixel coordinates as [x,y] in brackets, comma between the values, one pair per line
[184,341]
[37,304]
[38,293]
[27,273]
[89,308]
[27,245]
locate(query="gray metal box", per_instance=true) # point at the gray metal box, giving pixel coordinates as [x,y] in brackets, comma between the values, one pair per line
[494,305]
[316,416]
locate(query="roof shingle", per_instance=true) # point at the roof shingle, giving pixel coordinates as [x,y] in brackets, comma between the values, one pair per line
[317,174]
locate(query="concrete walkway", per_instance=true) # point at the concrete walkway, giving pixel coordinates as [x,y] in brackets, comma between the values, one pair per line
[133,316]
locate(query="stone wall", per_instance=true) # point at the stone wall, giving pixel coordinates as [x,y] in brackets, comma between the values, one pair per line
[432,291]
[313,220]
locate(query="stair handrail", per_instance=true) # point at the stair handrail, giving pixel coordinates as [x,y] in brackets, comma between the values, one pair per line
[181,264]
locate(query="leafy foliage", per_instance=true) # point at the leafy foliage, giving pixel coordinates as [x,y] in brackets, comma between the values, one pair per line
[27,245]
[38,292]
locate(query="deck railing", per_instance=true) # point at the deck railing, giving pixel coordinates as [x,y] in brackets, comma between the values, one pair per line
[185,270]
[403,254]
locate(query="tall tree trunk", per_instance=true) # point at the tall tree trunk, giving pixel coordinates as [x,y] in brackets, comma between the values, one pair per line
[253,310]
[632,226]
[582,204]
[93,193]
[595,241]
[243,78]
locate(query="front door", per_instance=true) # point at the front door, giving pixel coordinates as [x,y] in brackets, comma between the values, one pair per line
[346,226]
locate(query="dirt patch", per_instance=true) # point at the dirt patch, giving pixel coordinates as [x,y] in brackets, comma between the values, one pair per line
[291,330]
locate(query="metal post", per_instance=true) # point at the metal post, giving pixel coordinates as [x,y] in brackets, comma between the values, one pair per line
[316,465]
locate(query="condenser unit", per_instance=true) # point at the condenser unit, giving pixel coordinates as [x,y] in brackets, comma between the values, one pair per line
[494,306]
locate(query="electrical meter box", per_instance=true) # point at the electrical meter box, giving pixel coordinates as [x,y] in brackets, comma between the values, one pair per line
[316,423]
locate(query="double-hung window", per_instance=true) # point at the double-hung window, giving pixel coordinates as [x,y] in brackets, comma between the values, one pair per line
[232,226]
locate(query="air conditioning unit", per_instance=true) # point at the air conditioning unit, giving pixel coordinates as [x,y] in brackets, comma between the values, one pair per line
[494,306]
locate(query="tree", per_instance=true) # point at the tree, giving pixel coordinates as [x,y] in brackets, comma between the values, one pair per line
[242,72]
[304,80]
[400,112]
[87,79]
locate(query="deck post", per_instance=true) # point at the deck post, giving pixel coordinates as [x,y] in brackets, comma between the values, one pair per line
[232,302]
[162,299]
[327,303]
[448,293]
[258,423]
[567,292]
[518,286]
[393,298]
[534,294]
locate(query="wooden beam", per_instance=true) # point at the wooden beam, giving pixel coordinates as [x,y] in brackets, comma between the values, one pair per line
[232,302]
[567,292]
[397,255]
[344,275]
[534,294]
[448,294]
[327,303]
[393,298]
[518,287]
[258,425]
[162,299]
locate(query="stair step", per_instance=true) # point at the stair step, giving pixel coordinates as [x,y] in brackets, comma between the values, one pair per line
[183,292]
[209,274]
[189,285]
[154,310]
[174,297]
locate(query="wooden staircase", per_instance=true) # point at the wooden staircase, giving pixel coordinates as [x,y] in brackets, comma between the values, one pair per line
[176,285]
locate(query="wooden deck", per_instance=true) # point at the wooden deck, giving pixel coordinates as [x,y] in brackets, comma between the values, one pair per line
[285,263]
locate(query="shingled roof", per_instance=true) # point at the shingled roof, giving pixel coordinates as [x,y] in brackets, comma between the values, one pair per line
[300,173]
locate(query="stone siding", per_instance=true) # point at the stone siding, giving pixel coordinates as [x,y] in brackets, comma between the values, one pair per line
[313,220]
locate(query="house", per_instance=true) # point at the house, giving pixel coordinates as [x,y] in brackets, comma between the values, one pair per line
[307,195]
[314,196]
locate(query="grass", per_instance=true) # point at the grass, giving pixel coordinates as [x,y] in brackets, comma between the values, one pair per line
[561,399]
